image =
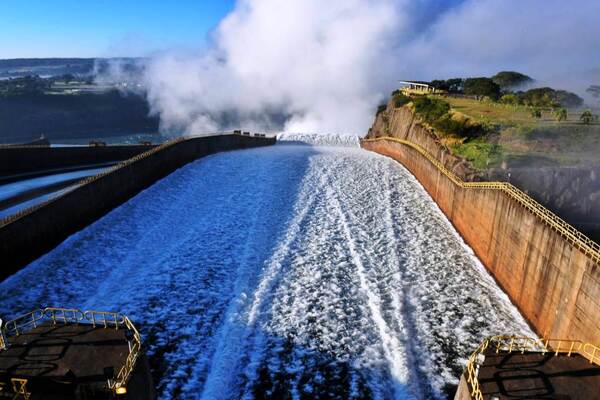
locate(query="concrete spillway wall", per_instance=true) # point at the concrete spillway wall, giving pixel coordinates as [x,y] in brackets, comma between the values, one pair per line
[549,270]
[29,159]
[34,231]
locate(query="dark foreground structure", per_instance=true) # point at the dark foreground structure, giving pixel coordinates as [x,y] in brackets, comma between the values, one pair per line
[58,353]
[524,368]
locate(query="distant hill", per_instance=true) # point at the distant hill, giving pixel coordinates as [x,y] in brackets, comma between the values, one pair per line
[46,67]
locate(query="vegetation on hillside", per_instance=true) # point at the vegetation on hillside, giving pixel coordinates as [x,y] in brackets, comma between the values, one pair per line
[509,80]
[490,121]
[437,113]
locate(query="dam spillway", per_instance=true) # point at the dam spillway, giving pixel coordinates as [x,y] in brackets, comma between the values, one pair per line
[286,271]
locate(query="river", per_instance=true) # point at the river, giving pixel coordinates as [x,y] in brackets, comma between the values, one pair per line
[292,271]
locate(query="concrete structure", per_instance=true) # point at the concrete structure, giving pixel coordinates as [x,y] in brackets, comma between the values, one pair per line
[418,87]
[548,269]
[30,233]
[505,367]
[23,162]
[58,353]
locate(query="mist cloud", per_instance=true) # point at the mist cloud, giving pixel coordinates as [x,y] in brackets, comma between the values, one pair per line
[315,66]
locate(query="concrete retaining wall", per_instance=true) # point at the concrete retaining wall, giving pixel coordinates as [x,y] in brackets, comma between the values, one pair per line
[32,232]
[554,284]
[29,159]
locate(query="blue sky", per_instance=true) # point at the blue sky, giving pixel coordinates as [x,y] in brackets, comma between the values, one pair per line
[89,28]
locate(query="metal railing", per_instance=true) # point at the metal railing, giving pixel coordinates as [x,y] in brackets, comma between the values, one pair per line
[510,344]
[57,315]
[568,232]
[2,340]
[28,210]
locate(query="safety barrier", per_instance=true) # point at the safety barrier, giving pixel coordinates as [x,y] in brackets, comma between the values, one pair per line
[568,232]
[2,340]
[509,344]
[11,218]
[33,319]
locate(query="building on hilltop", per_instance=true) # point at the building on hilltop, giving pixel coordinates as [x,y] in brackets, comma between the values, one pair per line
[417,87]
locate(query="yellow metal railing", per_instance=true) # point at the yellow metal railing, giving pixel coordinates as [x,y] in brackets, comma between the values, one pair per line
[510,344]
[2,340]
[568,232]
[28,210]
[56,315]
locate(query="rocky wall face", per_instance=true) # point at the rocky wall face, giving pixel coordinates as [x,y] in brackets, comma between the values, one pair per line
[401,122]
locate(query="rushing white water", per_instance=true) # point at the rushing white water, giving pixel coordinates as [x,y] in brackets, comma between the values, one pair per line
[290,271]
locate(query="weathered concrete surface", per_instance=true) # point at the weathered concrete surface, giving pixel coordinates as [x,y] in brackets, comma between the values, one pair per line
[401,123]
[556,286]
[33,232]
[30,160]
[463,391]
[573,192]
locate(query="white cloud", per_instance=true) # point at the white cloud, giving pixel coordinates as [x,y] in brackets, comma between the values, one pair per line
[324,66]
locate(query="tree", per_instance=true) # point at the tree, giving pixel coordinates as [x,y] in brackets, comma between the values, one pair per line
[511,79]
[587,117]
[510,98]
[482,87]
[536,113]
[400,99]
[561,114]
[454,85]
[548,97]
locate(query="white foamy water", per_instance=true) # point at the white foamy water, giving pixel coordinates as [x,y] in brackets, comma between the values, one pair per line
[289,271]
[316,139]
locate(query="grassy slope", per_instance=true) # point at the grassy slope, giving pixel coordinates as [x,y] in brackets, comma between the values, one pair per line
[520,139]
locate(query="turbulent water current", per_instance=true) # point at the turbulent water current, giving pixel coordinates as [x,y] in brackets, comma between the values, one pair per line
[292,271]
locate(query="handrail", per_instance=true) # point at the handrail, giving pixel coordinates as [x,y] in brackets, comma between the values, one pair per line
[28,210]
[105,319]
[509,344]
[567,231]
[2,340]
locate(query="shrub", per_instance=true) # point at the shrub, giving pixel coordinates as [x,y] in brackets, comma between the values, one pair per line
[400,99]
[464,128]
[536,113]
[381,108]
[561,114]
[587,117]
[481,154]
[511,99]
[430,109]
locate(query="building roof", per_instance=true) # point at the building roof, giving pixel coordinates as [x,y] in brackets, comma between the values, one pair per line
[420,83]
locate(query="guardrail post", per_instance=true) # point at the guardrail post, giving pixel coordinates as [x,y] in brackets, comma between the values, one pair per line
[3,342]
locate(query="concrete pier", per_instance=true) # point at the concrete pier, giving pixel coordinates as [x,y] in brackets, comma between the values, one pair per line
[60,353]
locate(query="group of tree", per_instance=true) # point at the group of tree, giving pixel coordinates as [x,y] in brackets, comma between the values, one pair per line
[507,87]
[548,97]
[26,86]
